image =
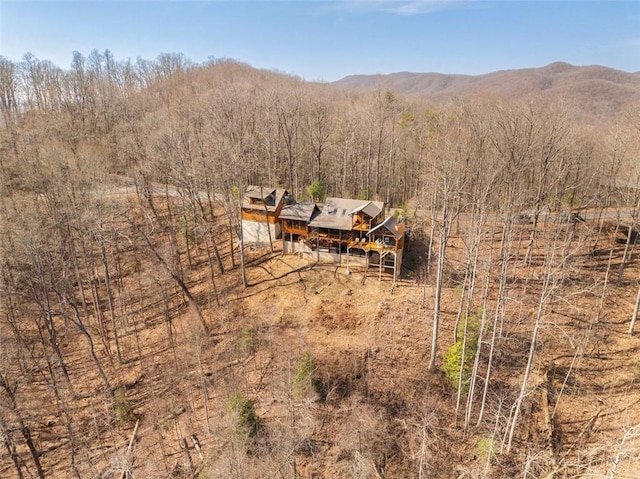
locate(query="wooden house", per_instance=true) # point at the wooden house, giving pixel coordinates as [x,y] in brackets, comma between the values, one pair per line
[343,230]
[339,223]
[295,218]
[261,207]
[356,232]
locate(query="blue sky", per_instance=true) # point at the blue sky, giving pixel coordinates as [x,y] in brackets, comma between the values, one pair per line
[327,40]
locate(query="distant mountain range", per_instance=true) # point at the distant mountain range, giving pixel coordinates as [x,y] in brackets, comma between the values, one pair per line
[594,91]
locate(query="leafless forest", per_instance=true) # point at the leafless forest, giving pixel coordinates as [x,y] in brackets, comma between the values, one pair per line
[131,348]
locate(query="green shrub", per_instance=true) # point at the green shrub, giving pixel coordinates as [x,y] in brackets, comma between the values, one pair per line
[473,328]
[316,191]
[186,224]
[247,341]
[452,360]
[246,422]
[305,376]
[571,199]
[486,448]
[401,212]
[636,369]
[122,406]
[454,355]
[365,193]
[411,262]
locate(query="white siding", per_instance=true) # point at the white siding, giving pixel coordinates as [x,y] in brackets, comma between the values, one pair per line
[256,231]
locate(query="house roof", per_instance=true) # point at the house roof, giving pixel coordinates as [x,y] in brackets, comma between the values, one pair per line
[370,208]
[391,225]
[337,213]
[300,211]
[258,192]
[269,196]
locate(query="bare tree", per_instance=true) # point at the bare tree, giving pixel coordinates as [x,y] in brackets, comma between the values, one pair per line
[447,183]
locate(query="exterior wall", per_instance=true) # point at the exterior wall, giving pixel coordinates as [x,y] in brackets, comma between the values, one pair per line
[258,216]
[256,231]
[288,227]
[290,247]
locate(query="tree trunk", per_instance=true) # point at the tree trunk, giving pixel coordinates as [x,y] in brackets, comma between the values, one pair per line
[24,429]
[625,255]
[442,248]
[266,218]
[242,262]
[544,296]
[11,449]
[183,287]
[634,316]
[107,282]
[505,251]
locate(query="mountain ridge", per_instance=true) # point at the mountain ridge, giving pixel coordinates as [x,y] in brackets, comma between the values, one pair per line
[594,90]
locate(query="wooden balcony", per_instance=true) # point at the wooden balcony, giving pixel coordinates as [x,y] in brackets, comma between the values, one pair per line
[296,231]
[367,245]
[358,244]
[332,237]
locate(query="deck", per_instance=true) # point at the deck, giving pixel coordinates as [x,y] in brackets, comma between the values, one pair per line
[371,246]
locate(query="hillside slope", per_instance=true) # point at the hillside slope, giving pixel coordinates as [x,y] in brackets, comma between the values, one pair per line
[312,371]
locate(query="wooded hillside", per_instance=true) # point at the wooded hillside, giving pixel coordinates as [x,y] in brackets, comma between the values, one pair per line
[593,93]
[130,347]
